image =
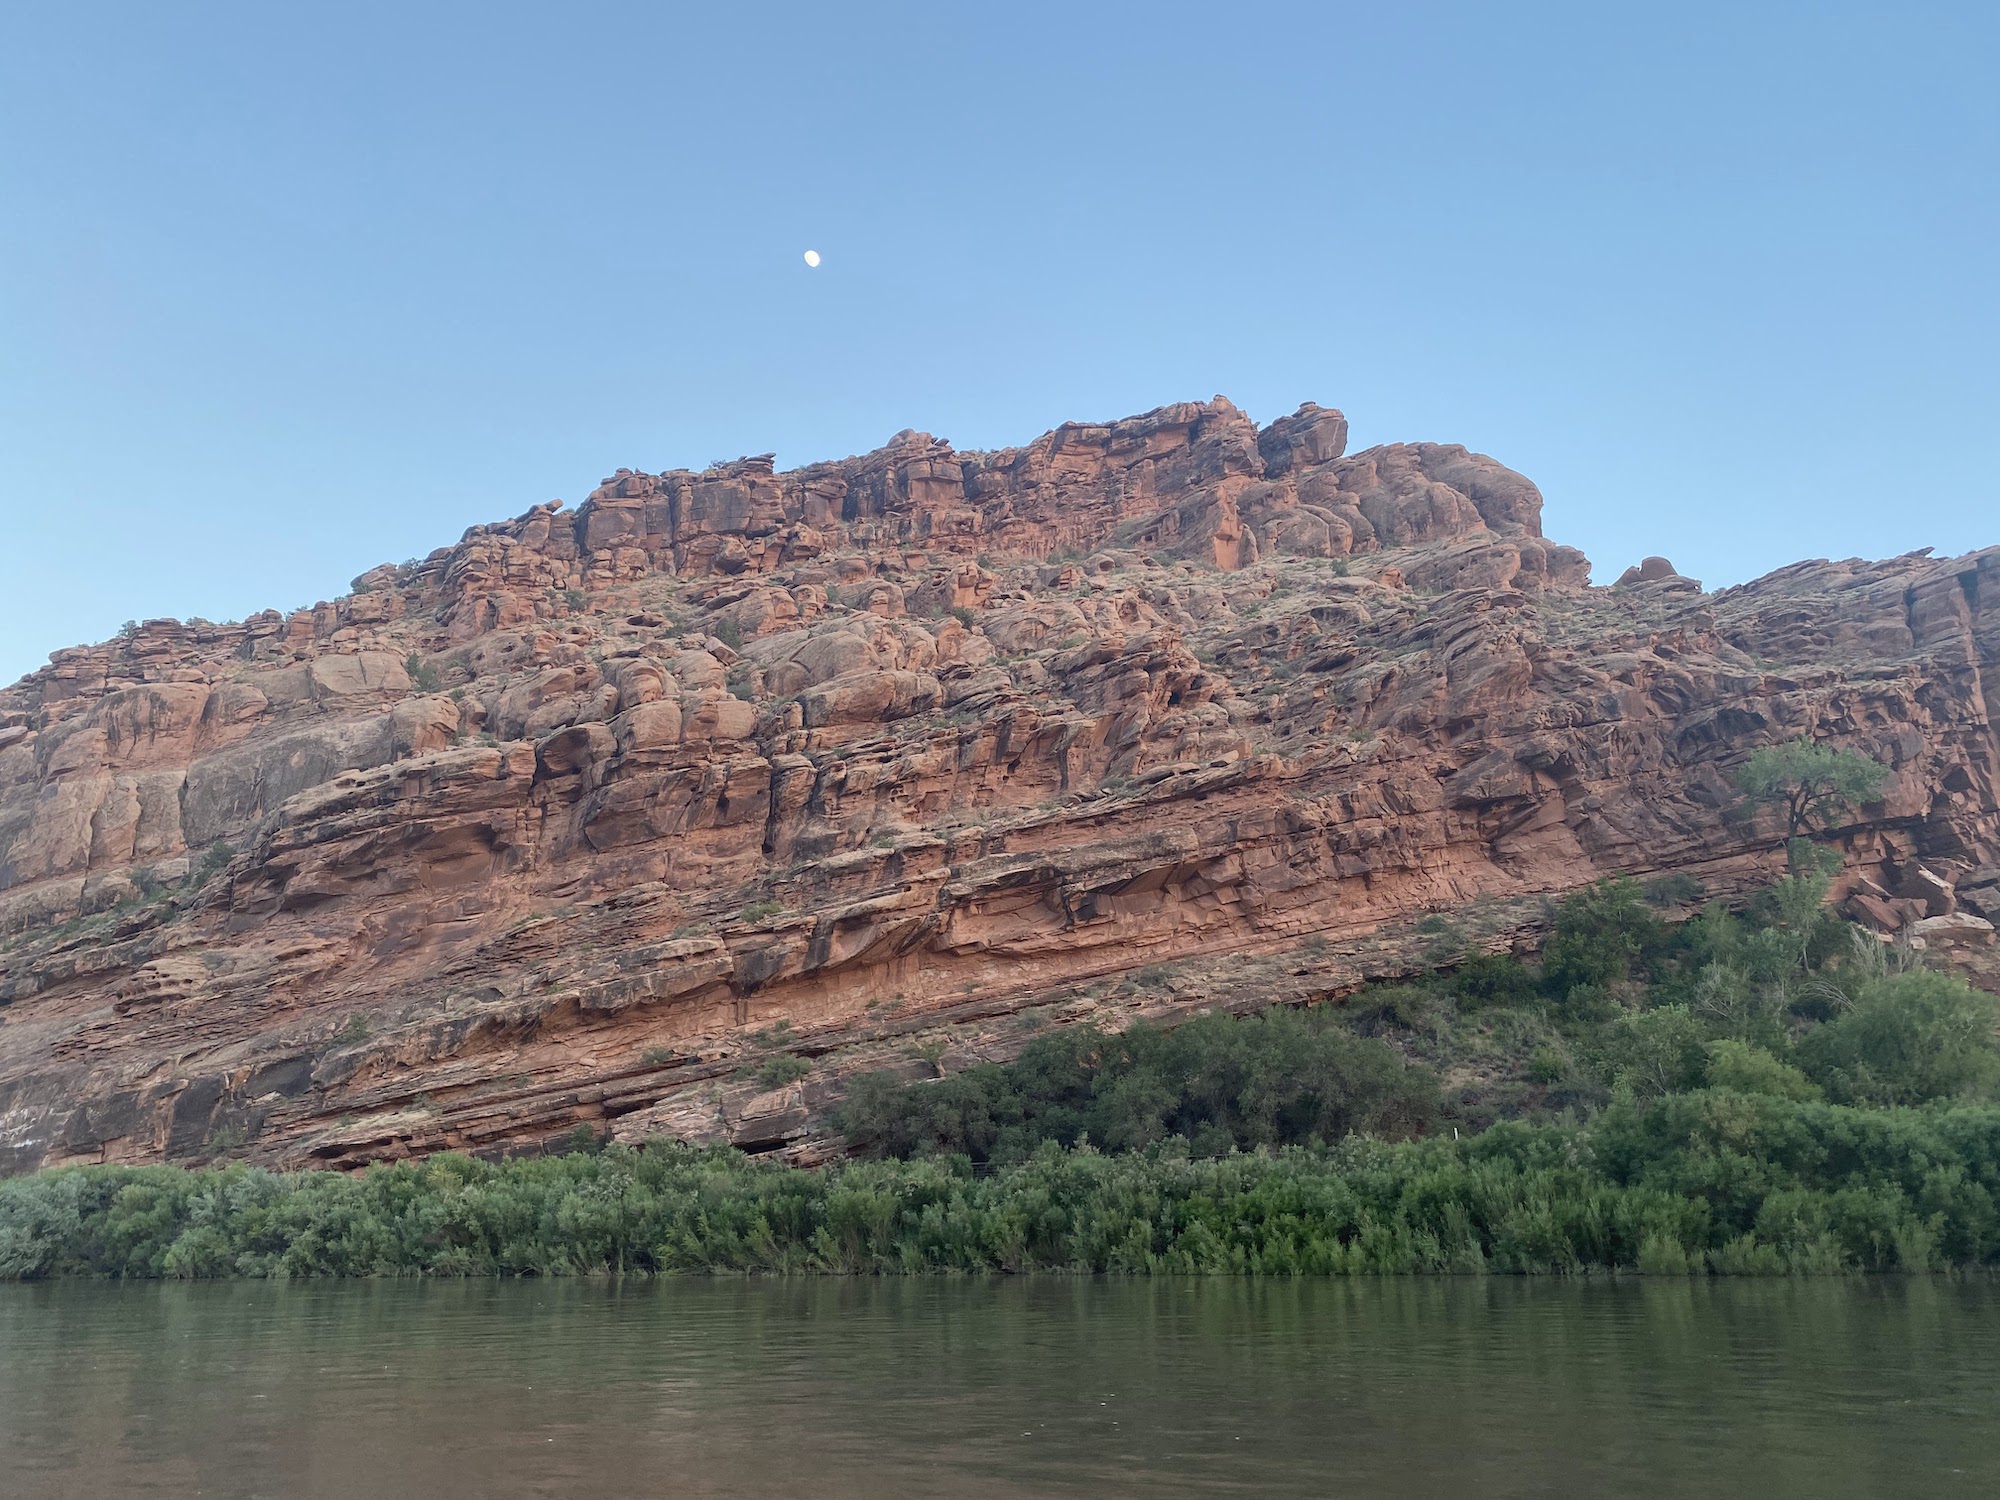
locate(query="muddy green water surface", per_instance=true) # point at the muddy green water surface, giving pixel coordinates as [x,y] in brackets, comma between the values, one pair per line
[974,1388]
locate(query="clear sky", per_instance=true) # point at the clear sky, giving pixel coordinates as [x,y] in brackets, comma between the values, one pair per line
[287,291]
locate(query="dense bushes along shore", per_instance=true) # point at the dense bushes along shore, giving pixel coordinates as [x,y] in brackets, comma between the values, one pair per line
[1713,1180]
[1778,999]
[1765,1091]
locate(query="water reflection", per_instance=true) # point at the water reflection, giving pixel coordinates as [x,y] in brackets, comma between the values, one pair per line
[1028,1387]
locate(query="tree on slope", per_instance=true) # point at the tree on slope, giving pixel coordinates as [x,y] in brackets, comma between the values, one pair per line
[1810,782]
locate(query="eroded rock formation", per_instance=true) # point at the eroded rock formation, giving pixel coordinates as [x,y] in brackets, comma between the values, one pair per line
[891,761]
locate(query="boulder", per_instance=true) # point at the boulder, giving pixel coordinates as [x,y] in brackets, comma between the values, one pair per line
[1959,930]
[715,715]
[575,749]
[650,726]
[871,698]
[363,672]
[1657,570]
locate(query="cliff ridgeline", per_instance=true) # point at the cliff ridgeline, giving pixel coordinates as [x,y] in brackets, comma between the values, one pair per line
[672,814]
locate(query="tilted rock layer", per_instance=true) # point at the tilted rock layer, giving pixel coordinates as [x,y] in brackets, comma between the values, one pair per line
[621,816]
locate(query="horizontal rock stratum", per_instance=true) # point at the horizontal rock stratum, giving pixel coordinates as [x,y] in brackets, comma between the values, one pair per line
[890,761]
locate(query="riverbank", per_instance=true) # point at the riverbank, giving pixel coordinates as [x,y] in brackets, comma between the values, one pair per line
[1708,1182]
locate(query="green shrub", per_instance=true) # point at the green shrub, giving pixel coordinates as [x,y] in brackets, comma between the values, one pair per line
[1749,1069]
[423,676]
[1792,915]
[1218,1082]
[1730,1004]
[1600,933]
[1493,979]
[1547,1065]
[1386,1009]
[780,1069]
[1908,1038]
[1657,1051]
[1673,890]
[213,861]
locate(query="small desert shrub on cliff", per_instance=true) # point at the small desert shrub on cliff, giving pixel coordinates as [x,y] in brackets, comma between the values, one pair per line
[775,1072]
[1673,890]
[211,864]
[423,676]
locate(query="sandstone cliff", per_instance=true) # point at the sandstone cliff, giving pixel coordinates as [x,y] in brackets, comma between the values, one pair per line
[890,761]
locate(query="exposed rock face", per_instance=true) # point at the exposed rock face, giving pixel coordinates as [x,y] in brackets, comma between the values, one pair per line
[573,821]
[1657,570]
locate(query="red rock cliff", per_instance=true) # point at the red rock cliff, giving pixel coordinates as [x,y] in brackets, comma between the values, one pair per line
[566,823]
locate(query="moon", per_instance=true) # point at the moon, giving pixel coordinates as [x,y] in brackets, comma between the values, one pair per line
[812,257]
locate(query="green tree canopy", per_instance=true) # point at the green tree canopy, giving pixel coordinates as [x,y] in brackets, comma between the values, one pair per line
[1811,782]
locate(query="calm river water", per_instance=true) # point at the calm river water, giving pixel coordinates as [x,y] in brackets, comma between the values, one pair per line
[1040,1386]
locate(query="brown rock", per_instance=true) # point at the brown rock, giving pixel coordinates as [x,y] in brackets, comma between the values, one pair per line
[914,738]
[1657,570]
[871,697]
[1959,930]
[650,726]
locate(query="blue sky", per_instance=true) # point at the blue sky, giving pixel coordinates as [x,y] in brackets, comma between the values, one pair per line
[288,291]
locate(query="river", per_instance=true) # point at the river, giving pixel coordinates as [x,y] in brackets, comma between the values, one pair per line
[1036,1386]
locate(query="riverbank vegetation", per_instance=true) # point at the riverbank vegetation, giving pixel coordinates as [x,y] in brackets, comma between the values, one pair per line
[1764,1091]
[1779,999]
[1714,1180]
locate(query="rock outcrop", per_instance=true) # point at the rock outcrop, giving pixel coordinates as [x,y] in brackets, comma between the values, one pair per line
[890,761]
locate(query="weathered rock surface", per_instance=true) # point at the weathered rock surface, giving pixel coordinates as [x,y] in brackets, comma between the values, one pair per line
[581,819]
